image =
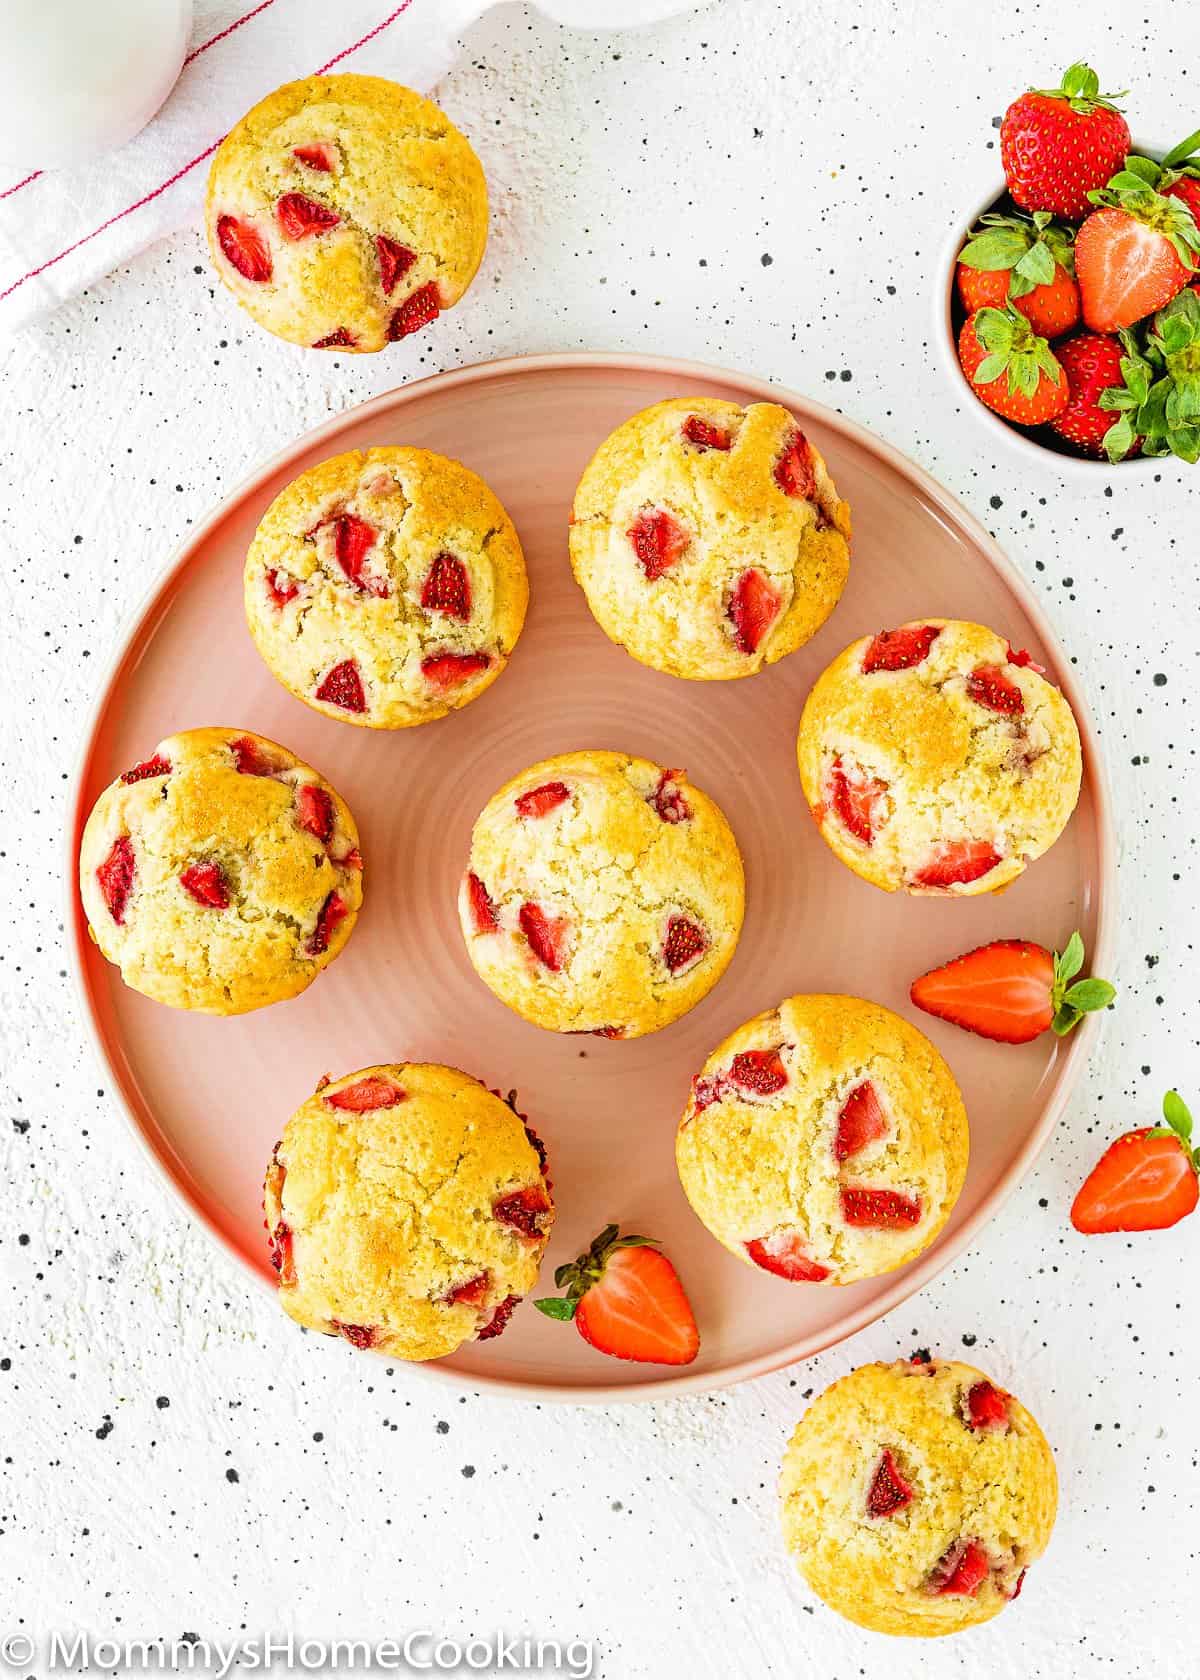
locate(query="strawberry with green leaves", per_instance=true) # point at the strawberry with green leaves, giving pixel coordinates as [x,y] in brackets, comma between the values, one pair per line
[1168,411]
[1146,1180]
[1026,261]
[1109,379]
[1058,144]
[626,1300]
[1013,990]
[1011,368]
[1136,250]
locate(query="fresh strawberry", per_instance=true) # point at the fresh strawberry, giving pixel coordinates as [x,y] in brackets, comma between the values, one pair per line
[861,1121]
[858,800]
[332,912]
[1146,1180]
[961,1572]
[988,686]
[342,686]
[249,758]
[626,1299]
[395,260]
[658,540]
[299,216]
[1010,368]
[668,798]
[450,670]
[955,863]
[753,608]
[986,1407]
[417,310]
[878,1207]
[900,650]
[1026,261]
[1133,253]
[528,1210]
[365,1096]
[207,885]
[115,876]
[1162,404]
[795,472]
[342,339]
[1093,363]
[148,768]
[447,587]
[760,1071]
[1012,990]
[1058,144]
[540,801]
[701,435]
[784,1253]
[483,912]
[547,935]
[353,540]
[684,945]
[245,248]
[889,1492]
[314,810]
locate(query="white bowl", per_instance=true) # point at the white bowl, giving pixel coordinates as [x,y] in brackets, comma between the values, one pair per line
[1025,445]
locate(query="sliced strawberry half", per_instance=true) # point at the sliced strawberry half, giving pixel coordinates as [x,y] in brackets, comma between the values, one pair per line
[858,800]
[961,1571]
[447,587]
[861,1121]
[701,434]
[317,156]
[753,608]
[1012,990]
[314,810]
[249,759]
[365,1095]
[483,912]
[956,863]
[149,767]
[281,587]
[668,799]
[540,801]
[879,1208]
[451,670]
[988,686]
[547,935]
[658,541]
[795,471]
[244,248]
[627,1301]
[986,1407]
[115,876]
[529,1211]
[1146,1180]
[333,911]
[900,650]
[341,339]
[417,310]
[888,1492]
[353,540]
[785,1253]
[760,1071]
[685,944]
[298,216]
[395,260]
[342,686]
[207,884]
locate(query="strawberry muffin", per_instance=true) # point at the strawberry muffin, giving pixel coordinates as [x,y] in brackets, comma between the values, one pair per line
[221,873]
[824,1141]
[938,760]
[345,211]
[387,588]
[603,894]
[709,539]
[916,1495]
[408,1209]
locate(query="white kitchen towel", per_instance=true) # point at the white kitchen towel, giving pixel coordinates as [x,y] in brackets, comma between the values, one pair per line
[61,229]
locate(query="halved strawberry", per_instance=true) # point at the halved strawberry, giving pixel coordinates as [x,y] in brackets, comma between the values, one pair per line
[483,912]
[658,540]
[317,156]
[314,810]
[860,1122]
[857,799]
[249,758]
[685,943]
[784,1253]
[1145,1181]
[365,1095]
[447,587]
[900,650]
[961,1571]
[760,1071]
[1011,990]
[341,339]
[547,935]
[878,1207]
[956,863]
[668,800]
[753,608]
[395,260]
[794,470]
[451,670]
[986,1407]
[207,885]
[281,587]
[244,248]
[298,216]
[342,686]
[358,1335]
[702,435]
[149,767]
[540,801]
[988,686]
[528,1210]
[417,310]
[333,911]
[889,1492]
[626,1300]
[115,876]
[1133,253]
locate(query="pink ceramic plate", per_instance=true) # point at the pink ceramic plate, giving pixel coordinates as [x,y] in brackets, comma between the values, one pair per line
[209,1097]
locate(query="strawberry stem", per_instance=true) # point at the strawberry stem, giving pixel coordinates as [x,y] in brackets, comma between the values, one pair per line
[1080,87]
[1072,1001]
[578,1275]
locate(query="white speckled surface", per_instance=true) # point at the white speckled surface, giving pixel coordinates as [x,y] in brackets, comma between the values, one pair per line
[744,185]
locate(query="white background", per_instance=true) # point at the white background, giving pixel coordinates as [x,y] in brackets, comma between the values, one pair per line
[174,1458]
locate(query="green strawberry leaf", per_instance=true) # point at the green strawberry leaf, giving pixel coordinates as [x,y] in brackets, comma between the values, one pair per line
[1068,964]
[1177,1115]
[1036,267]
[555,1307]
[1119,439]
[995,249]
[1071,1003]
[1089,995]
[1185,149]
[991,367]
